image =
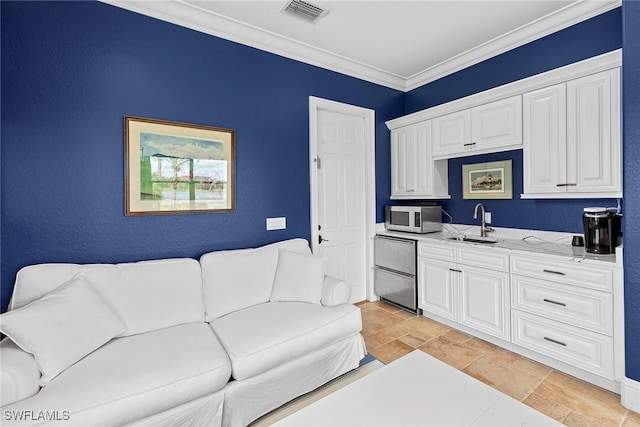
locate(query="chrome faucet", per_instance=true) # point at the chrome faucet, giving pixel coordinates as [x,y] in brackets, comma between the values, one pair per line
[483,227]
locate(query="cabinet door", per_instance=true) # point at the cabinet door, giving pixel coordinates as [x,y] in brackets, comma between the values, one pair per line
[411,166]
[593,133]
[437,288]
[421,158]
[401,164]
[497,124]
[484,301]
[545,140]
[452,133]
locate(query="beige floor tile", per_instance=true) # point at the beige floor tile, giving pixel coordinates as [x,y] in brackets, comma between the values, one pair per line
[503,357]
[585,399]
[426,328]
[502,376]
[546,406]
[387,353]
[455,335]
[635,416]
[370,343]
[481,346]
[631,422]
[451,352]
[376,319]
[577,420]
[391,333]
[533,368]
[412,340]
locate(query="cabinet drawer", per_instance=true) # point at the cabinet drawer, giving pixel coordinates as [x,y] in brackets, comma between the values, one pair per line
[563,272]
[441,251]
[486,258]
[578,347]
[580,307]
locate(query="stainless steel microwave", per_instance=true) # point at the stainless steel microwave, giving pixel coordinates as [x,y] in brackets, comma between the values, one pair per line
[414,219]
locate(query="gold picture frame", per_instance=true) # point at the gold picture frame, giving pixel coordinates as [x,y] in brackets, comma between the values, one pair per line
[175,168]
[491,180]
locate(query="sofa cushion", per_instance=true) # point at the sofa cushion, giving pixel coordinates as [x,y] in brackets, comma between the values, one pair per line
[299,277]
[240,278]
[147,295]
[62,327]
[263,336]
[138,376]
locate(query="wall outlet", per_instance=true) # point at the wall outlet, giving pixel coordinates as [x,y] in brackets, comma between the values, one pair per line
[487,217]
[279,223]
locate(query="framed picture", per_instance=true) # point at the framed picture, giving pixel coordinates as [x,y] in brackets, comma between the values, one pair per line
[175,167]
[492,180]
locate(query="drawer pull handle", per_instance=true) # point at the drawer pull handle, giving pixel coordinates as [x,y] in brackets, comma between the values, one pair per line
[550,301]
[566,185]
[469,144]
[454,270]
[555,342]
[554,272]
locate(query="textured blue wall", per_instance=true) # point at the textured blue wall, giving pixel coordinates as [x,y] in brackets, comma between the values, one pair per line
[595,36]
[72,70]
[631,132]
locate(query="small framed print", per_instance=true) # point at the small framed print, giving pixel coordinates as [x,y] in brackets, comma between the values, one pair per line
[492,180]
[173,168]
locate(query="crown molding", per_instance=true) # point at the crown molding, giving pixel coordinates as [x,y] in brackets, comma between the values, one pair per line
[196,18]
[556,21]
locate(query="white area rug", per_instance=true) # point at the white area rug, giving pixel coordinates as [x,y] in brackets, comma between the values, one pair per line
[307,399]
[417,390]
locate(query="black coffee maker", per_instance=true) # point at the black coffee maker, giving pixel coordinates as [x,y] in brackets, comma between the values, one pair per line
[601,230]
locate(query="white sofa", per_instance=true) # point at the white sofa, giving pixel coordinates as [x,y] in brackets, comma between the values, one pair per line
[174,342]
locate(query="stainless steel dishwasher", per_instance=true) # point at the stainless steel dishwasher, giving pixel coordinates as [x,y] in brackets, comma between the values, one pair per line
[395,271]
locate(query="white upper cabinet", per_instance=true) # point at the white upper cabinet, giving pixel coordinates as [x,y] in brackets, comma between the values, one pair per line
[572,138]
[487,128]
[414,174]
[593,133]
[452,133]
[497,124]
[545,139]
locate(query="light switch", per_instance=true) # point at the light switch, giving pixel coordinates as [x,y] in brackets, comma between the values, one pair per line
[487,217]
[279,223]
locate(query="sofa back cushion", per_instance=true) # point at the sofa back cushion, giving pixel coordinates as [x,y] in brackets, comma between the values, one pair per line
[241,278]
[147,295]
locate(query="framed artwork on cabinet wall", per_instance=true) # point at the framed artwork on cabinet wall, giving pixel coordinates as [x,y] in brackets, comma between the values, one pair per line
[491,180]
[173,168]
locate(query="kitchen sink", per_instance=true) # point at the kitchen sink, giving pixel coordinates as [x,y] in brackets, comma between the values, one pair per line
[474,239]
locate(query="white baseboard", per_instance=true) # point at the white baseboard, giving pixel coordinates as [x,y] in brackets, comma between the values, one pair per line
[630,394]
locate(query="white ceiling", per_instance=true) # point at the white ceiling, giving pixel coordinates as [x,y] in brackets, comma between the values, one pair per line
[399,44]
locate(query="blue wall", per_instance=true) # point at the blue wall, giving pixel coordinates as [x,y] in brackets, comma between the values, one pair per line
[631,132]
[593,37]
[72,70]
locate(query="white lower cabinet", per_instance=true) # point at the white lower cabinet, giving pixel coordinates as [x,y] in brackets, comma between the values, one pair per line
[470,295]
[554,309]
[564,310]
[484,300]
[575,346]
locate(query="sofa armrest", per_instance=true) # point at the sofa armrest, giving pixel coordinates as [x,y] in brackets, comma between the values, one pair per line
[334,291]
[19,374]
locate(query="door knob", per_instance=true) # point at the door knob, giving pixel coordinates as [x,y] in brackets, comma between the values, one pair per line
[320,239]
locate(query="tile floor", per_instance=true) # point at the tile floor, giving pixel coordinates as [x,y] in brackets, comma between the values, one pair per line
[391,333]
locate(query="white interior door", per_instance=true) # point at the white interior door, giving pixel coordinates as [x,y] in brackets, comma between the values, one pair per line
[339,199]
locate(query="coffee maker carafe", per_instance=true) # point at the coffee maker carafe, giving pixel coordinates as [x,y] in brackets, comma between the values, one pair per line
[601,230]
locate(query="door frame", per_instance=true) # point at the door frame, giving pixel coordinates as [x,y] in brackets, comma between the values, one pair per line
[316,104]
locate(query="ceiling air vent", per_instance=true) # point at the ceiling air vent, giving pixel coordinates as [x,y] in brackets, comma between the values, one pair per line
[305,10]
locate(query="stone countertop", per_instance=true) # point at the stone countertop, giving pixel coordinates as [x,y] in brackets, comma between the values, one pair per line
[513,241]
